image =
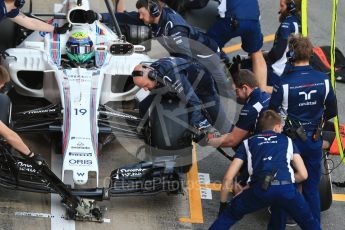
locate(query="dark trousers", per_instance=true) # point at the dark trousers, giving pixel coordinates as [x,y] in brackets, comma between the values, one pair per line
[285,197]
[311,153]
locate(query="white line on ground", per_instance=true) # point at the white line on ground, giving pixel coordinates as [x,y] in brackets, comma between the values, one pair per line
[57,210]
[34,214]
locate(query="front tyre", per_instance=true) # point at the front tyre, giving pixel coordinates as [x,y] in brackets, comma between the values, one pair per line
[168,132]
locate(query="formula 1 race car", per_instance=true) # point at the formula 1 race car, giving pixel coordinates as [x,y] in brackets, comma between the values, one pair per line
[73,84]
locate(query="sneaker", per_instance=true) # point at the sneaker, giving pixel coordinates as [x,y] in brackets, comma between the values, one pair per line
[290,222]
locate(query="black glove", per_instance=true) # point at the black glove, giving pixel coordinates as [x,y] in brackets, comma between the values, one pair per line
[222,206]
[91,16]
[204,134]
[62,29]
[36,160]
[235,67]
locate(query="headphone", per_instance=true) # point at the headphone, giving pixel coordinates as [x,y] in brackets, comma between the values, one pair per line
[154,8]
[291,55]
[291,6]
[152,74]
[19,3]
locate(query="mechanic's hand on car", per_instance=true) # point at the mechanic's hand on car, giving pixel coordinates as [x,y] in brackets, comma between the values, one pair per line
[215,140]
[91,16]
[36,160]
[63,29]
[204,134]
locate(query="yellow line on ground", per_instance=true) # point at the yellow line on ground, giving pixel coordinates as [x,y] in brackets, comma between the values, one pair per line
[339,197]
[237,47]
[212,186]
[193,185]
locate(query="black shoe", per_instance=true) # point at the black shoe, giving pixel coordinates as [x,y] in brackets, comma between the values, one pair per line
[290,222]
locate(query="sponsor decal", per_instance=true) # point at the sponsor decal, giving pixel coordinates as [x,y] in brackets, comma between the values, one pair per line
[268,140]
[80,162]
[80,174]
[42,34]
[76,147]
[25,167]
[80,154]
[130,172]
[80,138]
[40,111]
[307,96]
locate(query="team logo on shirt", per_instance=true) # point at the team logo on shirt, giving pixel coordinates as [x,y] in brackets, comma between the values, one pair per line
[307,97]
[267,140]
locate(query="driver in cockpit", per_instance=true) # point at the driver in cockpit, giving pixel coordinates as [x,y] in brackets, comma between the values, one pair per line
[79,50]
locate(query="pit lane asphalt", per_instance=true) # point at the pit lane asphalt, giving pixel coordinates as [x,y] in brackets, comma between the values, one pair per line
[163,212]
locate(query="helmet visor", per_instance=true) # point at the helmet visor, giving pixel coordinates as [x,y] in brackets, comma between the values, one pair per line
[77,49]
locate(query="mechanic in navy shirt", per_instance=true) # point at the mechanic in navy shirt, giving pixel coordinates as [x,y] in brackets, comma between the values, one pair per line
[307,98]
[11,9]
[254,103]
[290,19]
[8,134]
[268,155]
[178,38]
[191,83]
[240,18]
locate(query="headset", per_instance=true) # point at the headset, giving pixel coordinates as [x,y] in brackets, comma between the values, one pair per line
[152,74]
[19,3]
[291,55]
[291,6]
[154,8]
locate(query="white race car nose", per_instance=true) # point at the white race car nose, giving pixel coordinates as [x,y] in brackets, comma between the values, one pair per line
[80,177]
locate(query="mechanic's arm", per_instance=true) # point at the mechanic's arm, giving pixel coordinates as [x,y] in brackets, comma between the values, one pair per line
[131,18]
[276,98]
[228,181]
[120,6]
[32,23]
[277,50]
[230,139]
[331,105]
[179,40]
[281,42]
[13,139]
[301,173]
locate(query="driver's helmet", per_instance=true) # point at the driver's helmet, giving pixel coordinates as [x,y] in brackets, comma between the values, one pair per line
[79,48]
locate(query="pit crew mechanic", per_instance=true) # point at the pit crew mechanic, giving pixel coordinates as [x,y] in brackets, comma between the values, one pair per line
[178,38]
[272,179]
[241,18]
[191,83]
[307,98]
[9,135]
[254,102]
[290,23]
[11,9]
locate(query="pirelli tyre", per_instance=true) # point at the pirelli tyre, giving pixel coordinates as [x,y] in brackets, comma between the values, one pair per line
[5,109]
[137,35]
[325,187]
[168,134]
